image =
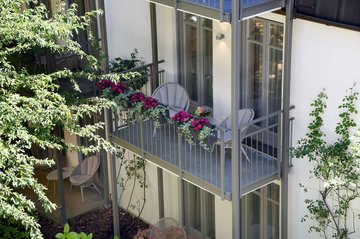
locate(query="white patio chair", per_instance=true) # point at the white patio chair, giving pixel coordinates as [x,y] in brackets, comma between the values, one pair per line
[173,96]
[245,116]
[84,174]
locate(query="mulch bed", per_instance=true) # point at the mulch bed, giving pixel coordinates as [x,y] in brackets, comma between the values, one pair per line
[98,222]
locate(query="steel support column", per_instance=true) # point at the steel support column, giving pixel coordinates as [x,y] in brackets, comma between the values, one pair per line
[113,181]
[103,39]
[286,119]
[154,48]
[59,166]
[235,105]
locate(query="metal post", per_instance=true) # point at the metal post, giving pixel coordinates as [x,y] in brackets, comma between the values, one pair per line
[112,170]
[58,159]
[180,182]
[104,45]
[154,48]
[235,105]
[286,119]
[160,181]
[115,204]
[222,163]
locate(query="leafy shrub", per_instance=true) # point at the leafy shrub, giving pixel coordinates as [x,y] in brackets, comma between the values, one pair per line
[10,229]
[119,65]
[72,235]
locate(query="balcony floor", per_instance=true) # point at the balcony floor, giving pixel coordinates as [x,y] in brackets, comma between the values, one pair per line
[163,148]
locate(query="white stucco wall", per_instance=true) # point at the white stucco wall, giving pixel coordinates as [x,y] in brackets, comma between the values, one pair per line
[128,27]
[223,218]
[72,157]
[151,210]
[323,57]
[221,70]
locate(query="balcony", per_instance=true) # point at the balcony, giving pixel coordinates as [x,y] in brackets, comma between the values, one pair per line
[221,9]
[207,168]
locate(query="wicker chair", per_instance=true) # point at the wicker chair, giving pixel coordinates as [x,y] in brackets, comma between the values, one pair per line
[84,174]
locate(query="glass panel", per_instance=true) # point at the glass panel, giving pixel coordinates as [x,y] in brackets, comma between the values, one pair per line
[253,216]
[276,35]
[255,74]
[275,80]
[191,61]
[210,215]
[256,30]
[191,19]
[195,207]
[273,211]
[207,23]
[273,192]
[207,68]
[272,230]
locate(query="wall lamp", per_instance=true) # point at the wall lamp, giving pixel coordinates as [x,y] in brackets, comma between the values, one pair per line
[220,36]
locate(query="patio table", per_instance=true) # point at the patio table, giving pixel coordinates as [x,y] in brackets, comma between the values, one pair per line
[53,176]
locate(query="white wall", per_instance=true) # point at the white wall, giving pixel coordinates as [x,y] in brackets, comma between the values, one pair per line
[151,210]
[128,27]
[223,218]
[167,41]
[222,70]
[324,57]
[72,157]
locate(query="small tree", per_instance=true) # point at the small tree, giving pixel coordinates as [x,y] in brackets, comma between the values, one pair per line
[31,105]
[335,165]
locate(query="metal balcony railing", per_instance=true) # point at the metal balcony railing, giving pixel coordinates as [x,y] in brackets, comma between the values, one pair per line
[209,169]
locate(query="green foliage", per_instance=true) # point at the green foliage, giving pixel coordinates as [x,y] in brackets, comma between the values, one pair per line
[335,165]
[10,229]
[137,78]
[134,169]
[72,235]
[31,107]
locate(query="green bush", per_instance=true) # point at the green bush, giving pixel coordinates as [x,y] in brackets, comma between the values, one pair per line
[119,65]
[10,229]
[72,235]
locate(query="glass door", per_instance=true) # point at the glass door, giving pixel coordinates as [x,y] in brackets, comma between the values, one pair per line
[197,59]
[263,87]
[262,213]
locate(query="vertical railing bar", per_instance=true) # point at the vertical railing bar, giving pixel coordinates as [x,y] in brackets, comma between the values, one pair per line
[142,138]
[161,146]
[279,144]
[179,154]
[222,164]
[221,11]
[291,139]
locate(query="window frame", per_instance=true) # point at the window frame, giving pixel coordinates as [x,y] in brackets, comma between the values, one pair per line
[207,206]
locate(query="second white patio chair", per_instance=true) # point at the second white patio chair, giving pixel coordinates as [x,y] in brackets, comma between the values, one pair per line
[245,116]
[84,174]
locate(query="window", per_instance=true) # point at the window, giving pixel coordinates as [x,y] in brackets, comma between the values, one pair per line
[262,213]
[263,85]
[199,211]
[197,59]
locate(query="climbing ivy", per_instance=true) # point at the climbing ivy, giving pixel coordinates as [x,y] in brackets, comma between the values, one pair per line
[335,165]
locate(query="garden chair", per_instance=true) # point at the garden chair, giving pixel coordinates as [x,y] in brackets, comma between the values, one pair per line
[245,116]
[173,96]
[84,174]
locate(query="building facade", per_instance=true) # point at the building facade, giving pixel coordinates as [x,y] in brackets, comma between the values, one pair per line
[274,56]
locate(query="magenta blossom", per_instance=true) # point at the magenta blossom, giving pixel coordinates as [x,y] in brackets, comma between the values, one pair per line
[181,117]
